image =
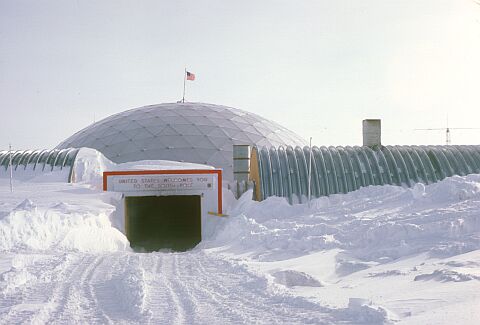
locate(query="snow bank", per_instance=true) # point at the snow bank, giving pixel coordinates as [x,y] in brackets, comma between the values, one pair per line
[56,216]
[447,276]
[362,311]
[376,223]
[60,226]
[89,167]
[292,278]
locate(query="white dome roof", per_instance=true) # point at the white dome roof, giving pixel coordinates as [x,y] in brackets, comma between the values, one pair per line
[190,132]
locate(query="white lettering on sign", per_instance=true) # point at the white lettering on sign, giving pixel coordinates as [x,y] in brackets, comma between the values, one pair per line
[134,183]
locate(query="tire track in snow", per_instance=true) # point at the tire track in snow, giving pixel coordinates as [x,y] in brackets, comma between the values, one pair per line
[173,296]
[194,288]
[246,298]
[161,301]
[159,288]
[215,305]
[75,302]
[29,300]
[119,288]
[183,308]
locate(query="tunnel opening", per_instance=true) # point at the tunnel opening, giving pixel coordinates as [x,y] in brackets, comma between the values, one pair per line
[163,222]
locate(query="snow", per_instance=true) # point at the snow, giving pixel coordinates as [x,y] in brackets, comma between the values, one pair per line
[75,218]
[377,255]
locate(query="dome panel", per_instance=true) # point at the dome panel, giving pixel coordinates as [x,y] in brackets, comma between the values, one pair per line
[199,120]
[167,130]
[190,132]
[197,142]
[149,121]
[187,129]
[219,142]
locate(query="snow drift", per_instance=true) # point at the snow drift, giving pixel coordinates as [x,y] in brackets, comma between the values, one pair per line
[58,217]
[376,223]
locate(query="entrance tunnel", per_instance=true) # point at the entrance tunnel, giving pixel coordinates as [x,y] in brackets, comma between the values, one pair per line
[163,222]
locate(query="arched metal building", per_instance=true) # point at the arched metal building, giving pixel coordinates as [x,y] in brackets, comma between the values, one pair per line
[39,161]
[284,171]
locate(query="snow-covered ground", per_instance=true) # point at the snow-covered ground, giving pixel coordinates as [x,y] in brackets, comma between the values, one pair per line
[378,255]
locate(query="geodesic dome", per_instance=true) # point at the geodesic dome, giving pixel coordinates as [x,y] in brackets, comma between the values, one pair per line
[190,132]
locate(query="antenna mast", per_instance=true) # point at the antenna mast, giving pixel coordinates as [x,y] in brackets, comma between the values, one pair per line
[448,139]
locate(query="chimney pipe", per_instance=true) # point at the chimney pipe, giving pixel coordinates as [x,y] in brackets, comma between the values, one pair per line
[372,132]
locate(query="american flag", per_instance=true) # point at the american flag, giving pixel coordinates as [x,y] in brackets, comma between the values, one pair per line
[190,76]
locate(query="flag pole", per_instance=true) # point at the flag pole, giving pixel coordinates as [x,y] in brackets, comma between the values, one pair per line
[184,79]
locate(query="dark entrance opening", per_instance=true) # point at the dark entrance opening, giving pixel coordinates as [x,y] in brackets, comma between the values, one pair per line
[158,222]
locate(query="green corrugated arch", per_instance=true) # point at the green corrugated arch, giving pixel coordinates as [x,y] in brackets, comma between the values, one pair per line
[283,171]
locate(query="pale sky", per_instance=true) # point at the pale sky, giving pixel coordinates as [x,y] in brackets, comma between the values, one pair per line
[316,67]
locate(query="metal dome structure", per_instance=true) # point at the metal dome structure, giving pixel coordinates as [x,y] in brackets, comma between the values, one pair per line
[190,132]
